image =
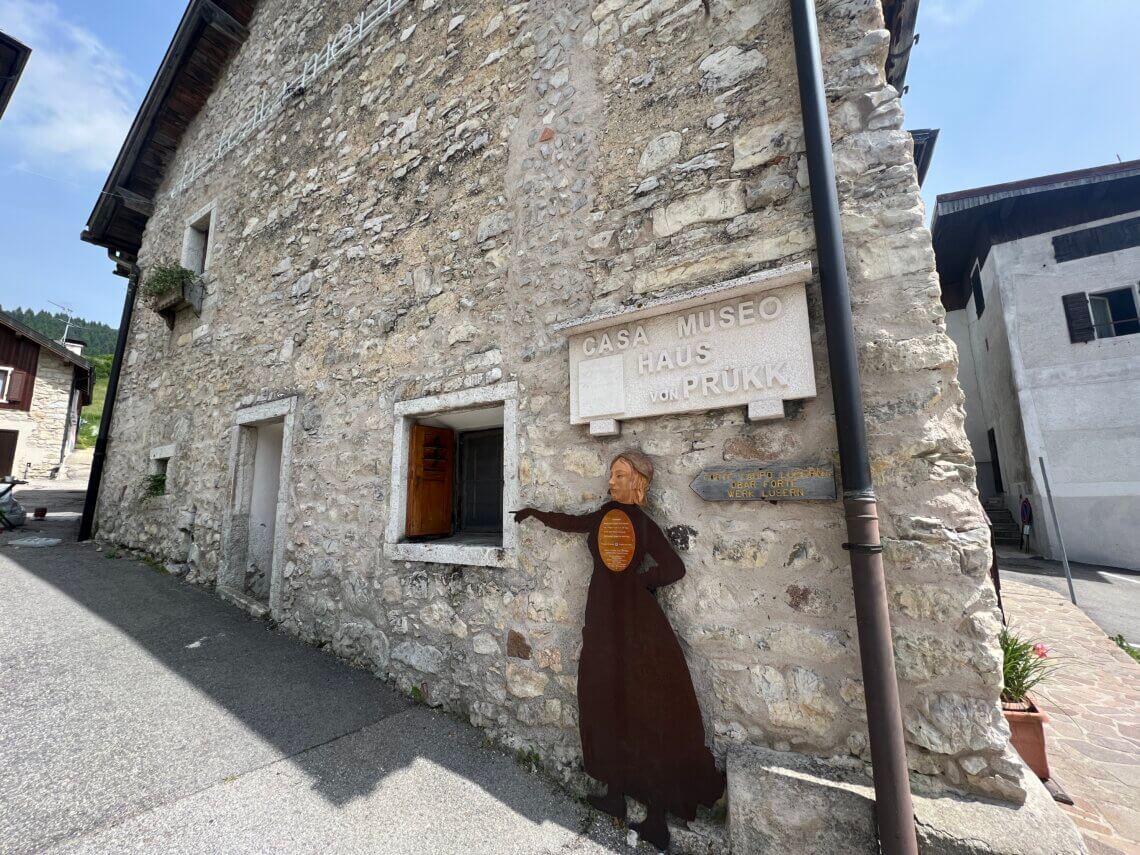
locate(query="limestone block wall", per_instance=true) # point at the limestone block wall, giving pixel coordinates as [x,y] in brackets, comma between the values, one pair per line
[415,222]
[43,426]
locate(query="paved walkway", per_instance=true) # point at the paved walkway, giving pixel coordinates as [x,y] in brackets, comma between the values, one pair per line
[1093,700]
[143,714]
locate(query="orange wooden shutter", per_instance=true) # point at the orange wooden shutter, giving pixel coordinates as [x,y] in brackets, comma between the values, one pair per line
[431,481]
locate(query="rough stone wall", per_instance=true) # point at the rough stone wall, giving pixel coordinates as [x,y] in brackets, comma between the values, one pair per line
[42,427]
[414,223]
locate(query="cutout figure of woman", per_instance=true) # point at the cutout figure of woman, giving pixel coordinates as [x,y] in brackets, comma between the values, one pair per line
[641,727]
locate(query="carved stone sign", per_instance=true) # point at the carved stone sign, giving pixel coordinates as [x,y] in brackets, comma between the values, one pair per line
[773,482]
[745,342]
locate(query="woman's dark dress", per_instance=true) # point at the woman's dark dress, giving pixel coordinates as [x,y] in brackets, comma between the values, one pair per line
[641,728]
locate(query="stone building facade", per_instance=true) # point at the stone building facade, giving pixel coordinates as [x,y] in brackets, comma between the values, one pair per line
[43,388]
[402,237]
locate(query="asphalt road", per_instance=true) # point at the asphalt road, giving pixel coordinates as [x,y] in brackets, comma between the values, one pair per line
[143,714]
[1111,597]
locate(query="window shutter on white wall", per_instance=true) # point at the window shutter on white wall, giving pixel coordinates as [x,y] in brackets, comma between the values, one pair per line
[1078,317]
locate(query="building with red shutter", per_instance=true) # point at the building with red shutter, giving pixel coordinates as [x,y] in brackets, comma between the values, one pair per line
[44,385]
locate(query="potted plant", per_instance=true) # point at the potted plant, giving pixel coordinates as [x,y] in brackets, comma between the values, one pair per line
[1025,665]
[171,287]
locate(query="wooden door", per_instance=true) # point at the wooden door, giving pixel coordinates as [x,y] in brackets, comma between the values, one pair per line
[431,482]
[7,451]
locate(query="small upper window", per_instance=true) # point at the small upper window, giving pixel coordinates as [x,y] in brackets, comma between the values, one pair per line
[976,287]
[5,383]
[196,244]
[1114,313]
[159,470]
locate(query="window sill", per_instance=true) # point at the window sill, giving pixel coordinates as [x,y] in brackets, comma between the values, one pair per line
[451,551]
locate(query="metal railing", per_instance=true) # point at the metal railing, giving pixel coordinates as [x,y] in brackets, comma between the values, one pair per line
[1112,329]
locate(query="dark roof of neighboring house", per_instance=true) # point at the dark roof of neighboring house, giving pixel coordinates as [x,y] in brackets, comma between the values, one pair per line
[924,142]
[207,36]
[43,341]
[56,348]
[968,222]
[901,17]
[13,58]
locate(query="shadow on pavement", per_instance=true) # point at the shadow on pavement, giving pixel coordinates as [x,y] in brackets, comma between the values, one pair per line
[156,689]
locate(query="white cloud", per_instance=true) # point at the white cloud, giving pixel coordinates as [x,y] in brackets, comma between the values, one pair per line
[75,101]
[950,13]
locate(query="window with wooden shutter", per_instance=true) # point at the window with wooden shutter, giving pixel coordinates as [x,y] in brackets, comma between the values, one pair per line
[1078,317]
[22,356]
[431,482]
[20,388]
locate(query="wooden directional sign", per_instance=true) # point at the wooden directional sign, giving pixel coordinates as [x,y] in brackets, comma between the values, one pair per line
[771,482]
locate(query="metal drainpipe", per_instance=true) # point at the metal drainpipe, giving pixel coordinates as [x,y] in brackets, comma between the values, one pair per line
[893,808]
[95,480]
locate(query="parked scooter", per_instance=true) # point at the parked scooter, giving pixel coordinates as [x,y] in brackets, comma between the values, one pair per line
[12,513]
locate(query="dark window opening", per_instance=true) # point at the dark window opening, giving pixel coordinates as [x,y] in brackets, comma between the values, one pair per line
[156,480]
[976,286]
[196,245]
[999,487]
[480,482]
[1114,313]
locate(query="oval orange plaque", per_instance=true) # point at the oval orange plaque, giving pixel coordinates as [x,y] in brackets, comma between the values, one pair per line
[617,540]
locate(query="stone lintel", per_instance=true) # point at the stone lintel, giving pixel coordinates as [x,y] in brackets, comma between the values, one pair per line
[163,452]
[265,412]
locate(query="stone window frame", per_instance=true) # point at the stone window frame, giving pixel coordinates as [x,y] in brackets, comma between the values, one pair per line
[192,227]
[7,371]
[469,555]
[283,410]
[155,458]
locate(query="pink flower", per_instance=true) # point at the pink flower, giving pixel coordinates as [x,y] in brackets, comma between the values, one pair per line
[1041,650]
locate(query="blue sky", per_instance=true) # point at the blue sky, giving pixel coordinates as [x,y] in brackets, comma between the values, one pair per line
[1019,88]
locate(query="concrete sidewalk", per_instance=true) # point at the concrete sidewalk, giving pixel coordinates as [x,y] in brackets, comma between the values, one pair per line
[143,714]
[1093,701]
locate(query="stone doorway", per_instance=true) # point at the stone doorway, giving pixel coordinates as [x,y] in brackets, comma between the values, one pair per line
[253,536]
[263,489]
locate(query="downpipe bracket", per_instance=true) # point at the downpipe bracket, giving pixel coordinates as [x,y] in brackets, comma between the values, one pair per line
[865,548]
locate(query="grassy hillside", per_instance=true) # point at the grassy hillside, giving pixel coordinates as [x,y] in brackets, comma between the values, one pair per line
[93,413]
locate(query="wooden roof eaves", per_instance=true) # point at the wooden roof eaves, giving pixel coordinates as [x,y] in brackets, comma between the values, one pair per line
[902,19]
[199,16]
[10,76]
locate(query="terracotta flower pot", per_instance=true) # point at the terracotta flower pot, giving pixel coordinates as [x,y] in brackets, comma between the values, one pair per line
[1027,734]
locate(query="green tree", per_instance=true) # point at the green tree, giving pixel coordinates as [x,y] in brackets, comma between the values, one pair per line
[100,338]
